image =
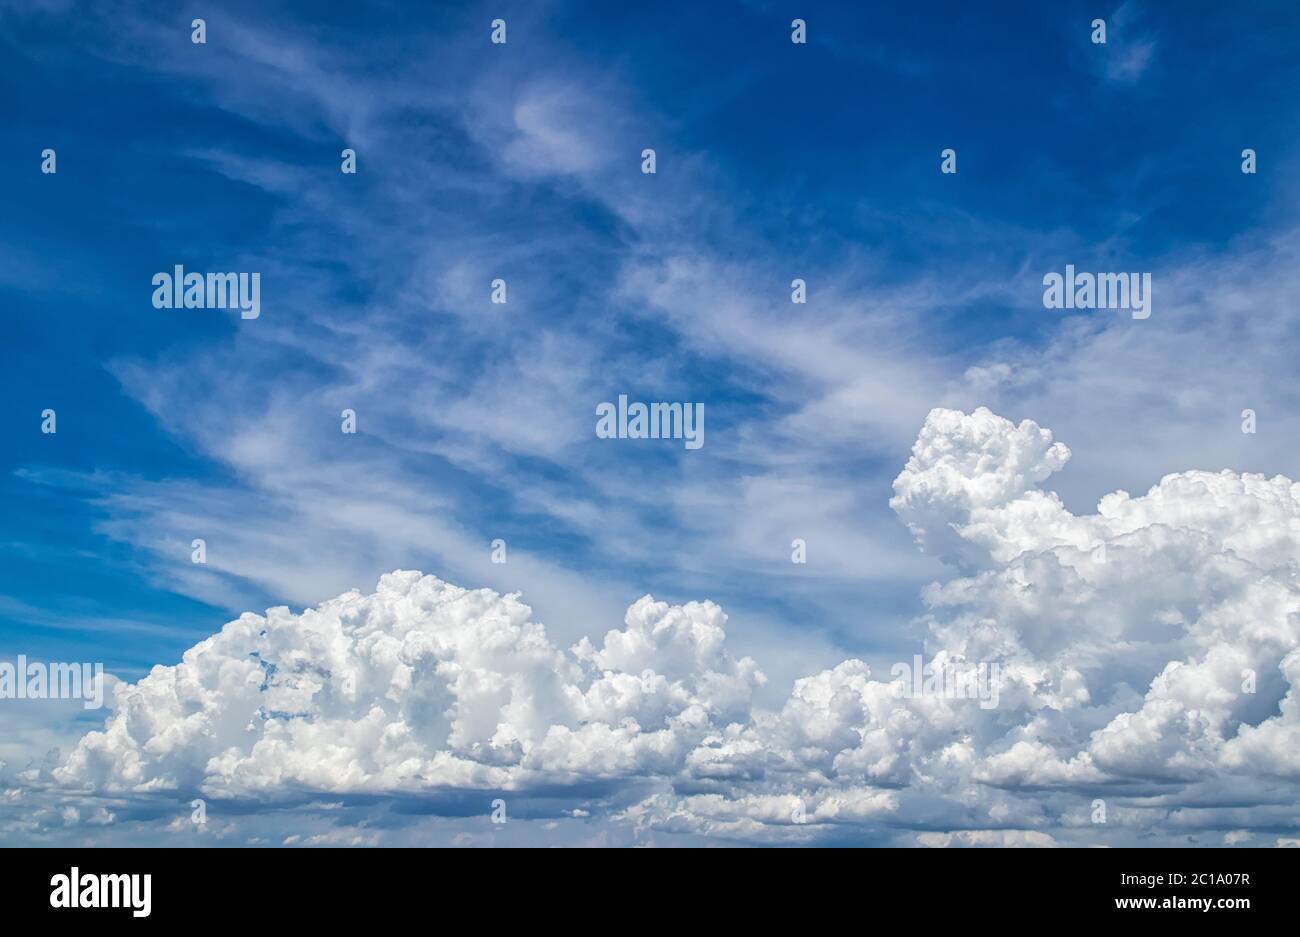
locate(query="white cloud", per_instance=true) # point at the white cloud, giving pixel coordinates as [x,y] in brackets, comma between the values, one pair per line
[420,685]
[971,839]
[1121,677]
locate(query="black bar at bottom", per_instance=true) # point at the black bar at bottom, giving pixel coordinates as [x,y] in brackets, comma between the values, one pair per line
[239,886]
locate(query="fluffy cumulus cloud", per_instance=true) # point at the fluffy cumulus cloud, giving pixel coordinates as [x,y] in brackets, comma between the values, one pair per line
[1145,657]
[418,686]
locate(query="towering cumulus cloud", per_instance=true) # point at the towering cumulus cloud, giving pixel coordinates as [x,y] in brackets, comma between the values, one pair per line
[1146,657]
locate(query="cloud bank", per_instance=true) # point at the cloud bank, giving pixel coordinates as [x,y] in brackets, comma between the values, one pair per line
[1147,657]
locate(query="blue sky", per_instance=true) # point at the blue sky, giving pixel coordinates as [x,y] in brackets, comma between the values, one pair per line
[522,161]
